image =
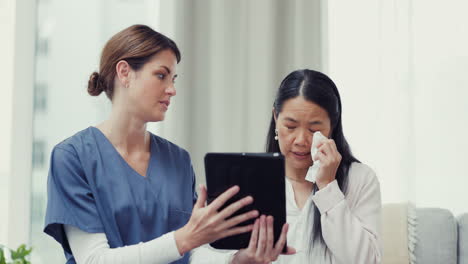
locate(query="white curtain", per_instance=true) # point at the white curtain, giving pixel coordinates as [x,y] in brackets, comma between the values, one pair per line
[400,67]
[234,56]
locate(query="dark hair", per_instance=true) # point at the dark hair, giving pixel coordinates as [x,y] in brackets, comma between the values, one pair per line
[136,45]
[318,88]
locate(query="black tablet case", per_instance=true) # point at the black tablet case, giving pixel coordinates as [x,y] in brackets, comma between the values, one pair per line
[260,175]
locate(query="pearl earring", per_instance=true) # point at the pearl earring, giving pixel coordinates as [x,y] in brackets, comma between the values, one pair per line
[276,134]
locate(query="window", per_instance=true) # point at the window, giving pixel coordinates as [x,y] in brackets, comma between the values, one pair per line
[42,48]
[67,52]
[40,97]
[38,158]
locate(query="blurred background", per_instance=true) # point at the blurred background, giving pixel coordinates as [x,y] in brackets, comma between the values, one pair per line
[401,67]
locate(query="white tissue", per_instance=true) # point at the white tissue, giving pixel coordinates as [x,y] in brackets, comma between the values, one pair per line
[312,172]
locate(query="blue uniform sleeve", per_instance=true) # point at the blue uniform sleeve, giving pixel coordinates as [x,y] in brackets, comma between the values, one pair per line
[70,200]
[194,179]
[194,189]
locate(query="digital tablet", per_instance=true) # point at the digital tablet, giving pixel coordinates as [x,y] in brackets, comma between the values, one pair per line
[260,175]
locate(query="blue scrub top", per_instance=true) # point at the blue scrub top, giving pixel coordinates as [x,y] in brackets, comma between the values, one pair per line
[90,186]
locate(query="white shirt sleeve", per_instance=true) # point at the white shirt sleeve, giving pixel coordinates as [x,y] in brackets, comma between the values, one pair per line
[93,248]
[351,225]
[208,255]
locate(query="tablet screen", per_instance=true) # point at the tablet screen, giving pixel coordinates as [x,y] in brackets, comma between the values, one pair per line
[260,175]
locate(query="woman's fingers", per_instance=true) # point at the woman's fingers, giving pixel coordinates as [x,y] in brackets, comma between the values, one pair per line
[261,244]
[254,236]
[329,148]
[222,199]
[232,208]
[235,231]
[330,152]
[333,146]
[319,156]
[201,197]
[325,147]
[282,241]
[239,219]
[261,249]
[270,236]
[290,251]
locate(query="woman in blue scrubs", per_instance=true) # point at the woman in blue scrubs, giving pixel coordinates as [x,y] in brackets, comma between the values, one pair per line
[120,194]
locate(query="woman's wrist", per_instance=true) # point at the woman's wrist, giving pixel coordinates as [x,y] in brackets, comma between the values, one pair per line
[182,239]
[232,258]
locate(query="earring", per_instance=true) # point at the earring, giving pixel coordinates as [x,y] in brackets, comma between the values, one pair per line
[276,134]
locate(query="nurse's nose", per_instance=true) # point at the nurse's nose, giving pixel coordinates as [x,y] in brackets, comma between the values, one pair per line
[171,90]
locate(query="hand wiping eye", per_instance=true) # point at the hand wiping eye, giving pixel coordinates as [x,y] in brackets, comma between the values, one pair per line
[312,172]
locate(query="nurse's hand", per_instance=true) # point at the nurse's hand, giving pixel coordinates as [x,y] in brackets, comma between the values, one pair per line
[207,224]
[261,249]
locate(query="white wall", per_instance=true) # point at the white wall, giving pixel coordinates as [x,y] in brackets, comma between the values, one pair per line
[440,59]
[18,25]
[367,58]
[7,27]
[401,67]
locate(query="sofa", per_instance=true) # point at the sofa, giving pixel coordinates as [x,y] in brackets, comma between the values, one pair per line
[442,238]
